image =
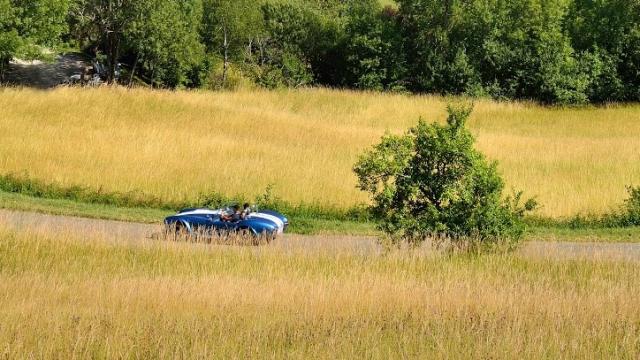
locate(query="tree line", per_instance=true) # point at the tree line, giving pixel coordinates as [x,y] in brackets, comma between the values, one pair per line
[552,51]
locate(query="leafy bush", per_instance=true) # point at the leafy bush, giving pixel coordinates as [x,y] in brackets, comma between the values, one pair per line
[630,215]
[214,77]
[626,215]
[431,182]
[290,71]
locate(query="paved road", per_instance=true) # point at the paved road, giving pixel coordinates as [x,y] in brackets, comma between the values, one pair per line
[118,230]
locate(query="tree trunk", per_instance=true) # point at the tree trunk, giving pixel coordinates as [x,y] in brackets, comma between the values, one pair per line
[2,69]
[261,48]
[225,63]
[110,42]
[133,69]
[112,55]
[109,56]
[153,75]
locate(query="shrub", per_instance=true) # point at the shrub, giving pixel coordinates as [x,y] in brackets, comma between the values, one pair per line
[215,79]
[631,209]
[432,183]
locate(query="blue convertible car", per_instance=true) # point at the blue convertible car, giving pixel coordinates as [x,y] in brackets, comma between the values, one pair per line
[221,222]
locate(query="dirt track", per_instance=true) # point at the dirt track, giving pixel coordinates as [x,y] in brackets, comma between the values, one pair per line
[144,232]
[44,75]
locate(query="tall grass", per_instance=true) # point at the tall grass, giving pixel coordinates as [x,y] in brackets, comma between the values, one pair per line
[178,145]
[66,296]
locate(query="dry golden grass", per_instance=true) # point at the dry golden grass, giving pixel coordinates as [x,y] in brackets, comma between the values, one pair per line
[177,145]
[65,296]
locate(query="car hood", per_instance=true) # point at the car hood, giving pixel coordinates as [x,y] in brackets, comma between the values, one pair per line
[266,216]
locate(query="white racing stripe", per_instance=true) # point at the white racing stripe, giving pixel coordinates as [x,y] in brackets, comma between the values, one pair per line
[201,212]
[269,217]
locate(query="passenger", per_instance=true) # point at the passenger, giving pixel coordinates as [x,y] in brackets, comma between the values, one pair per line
[246,210]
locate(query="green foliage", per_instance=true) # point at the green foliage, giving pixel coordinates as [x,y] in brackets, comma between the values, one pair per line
[27,26]
[105,24]
[427,27]
[552,51]
[232,31]
[625,216]
[374,59]
[608,31]
[308,36]
[214,78]
[41,22]
[162,36]
[630,215]
[293,31]
[240,19]
[605,83]
[432,182]
[9,38]
[506,49]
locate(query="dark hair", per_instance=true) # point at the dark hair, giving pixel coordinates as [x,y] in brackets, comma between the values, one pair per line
[246,205]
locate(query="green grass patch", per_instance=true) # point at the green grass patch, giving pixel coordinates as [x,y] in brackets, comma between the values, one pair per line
[12,201]
[24,185]
[299,225]
[587,234]
[20,193]
[310,226]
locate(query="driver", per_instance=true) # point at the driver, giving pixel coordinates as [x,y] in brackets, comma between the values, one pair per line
[234,216]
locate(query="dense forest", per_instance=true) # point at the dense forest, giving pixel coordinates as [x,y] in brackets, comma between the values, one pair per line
[552,51]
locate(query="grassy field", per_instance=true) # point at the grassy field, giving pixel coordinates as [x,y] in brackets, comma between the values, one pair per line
[177,145]
[90,297]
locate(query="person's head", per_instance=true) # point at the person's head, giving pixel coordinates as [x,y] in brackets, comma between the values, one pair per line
[246,206]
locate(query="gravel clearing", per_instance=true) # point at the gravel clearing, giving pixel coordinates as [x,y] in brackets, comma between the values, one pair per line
[45,75]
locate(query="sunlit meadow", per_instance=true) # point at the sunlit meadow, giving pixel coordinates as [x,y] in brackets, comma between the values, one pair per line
[178,145]
[88,296]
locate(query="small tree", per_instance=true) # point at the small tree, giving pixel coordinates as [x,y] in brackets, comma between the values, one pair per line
[432,182]
[630,212]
